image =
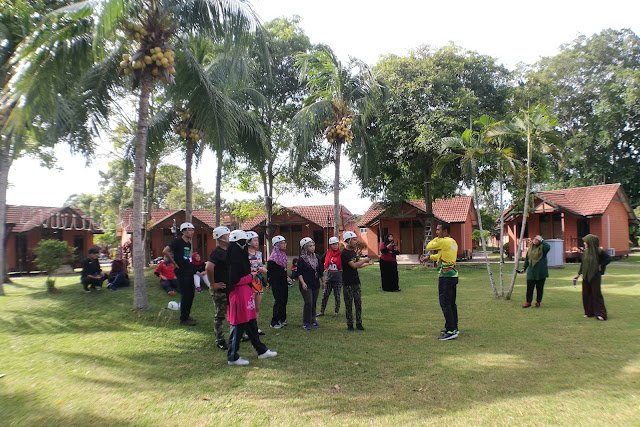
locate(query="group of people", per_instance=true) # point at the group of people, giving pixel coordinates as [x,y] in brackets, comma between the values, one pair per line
[236,276]
[593,266]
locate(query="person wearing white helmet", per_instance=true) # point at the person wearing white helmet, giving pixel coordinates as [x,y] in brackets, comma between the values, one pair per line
[258,271]
[218,273]
[179,253]
[310,275]
[242,305]
[333,281]
[351,280]
[278,281]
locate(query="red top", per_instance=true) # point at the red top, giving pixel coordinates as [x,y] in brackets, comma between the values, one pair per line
[387,254]
[166,270]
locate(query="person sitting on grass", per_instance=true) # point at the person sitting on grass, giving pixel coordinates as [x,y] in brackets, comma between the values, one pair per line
[92,275]
[199,274]
[167,276]
[118,276]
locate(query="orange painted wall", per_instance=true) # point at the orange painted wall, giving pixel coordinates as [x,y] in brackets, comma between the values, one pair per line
[618,226]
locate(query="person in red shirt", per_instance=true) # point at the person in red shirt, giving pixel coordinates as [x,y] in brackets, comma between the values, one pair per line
[167,276]
[388,264]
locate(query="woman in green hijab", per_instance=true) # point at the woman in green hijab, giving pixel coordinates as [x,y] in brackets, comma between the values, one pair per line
[594,262]
[537,271]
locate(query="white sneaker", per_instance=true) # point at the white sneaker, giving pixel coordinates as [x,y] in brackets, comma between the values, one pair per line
[276,326]
[266,354]
[283,323]
[240,361]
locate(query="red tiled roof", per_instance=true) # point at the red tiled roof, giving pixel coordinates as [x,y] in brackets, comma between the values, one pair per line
[454,210]
[315,214]
[27,218]
[583,201]
[158,215]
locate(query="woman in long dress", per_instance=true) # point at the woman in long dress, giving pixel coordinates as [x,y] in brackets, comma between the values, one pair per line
[388,264]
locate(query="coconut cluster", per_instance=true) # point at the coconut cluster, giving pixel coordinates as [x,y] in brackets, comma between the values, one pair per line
[185,129]
[159,59]
[339,131]
[134,32]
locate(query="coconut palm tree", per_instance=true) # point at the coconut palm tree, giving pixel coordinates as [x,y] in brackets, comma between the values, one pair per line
[469,149]
[337,110]
[133,40]
[537,127]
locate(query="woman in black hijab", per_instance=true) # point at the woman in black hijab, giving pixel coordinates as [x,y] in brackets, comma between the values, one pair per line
[388,264]
[594,262]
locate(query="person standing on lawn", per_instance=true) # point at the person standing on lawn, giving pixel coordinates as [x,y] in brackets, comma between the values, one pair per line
[388,264]
[179,253]
[447,278]
[351,287]
[257,271]
[309,274]
[535,264]
[333,282]
[594,263]
[278,281]
[218,273]
[242,304]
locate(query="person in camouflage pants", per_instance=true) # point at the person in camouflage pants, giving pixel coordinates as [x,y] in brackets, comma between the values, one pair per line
[218,274]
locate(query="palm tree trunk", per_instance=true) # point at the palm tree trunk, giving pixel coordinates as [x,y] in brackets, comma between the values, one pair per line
[218,187]
[5,164]
[151,186]
[140,299]
[267,183]
[525,215]
[336,193]
[482,240]
[501,232]
[189,182]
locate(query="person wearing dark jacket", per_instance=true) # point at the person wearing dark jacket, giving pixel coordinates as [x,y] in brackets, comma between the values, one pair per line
[594,263]
[309,274]
[242,304]
[388,264]
[535,264]
[118,276]
[278,281]
[92,275]
[179,253]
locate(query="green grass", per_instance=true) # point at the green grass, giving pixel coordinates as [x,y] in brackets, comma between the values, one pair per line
[88,359]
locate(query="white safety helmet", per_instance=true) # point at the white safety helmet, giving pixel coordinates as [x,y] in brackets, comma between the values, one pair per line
[237,235]
[333,240]
[251,234]
[348,235]
[173,305]
[304,241]
[186,225]
[218,232]
[277,239]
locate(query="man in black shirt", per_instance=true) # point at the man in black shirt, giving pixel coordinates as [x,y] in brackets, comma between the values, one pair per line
[351,285]
[218,274]
[179,253]
[92,274]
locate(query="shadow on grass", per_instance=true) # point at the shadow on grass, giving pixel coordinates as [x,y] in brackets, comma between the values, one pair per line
[24,409]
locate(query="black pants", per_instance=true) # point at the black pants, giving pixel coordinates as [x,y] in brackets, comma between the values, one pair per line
[169,285]
[187,292]
[447,295]
[235,334]
[329,286]
[310,297]
[119,280]
[88,281]
[280,299]
[539,286]
[592,299]
[352,295]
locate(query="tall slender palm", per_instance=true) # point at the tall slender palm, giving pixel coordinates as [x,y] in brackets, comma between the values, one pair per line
[537,126]
[338,108]
[469,149]
[151,25]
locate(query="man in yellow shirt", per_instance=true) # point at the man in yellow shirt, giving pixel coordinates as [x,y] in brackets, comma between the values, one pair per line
[448,278]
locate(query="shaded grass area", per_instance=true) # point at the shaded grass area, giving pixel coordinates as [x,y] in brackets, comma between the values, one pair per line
[88,359]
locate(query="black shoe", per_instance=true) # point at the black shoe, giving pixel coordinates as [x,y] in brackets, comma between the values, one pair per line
[87,290]
[350,328]
[449,336]
[444,331]
[222,345]
[335,314]
[260,332]
[360,327]
[188,322]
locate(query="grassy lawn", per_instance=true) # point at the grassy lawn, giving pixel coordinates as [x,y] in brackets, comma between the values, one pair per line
[87,359]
